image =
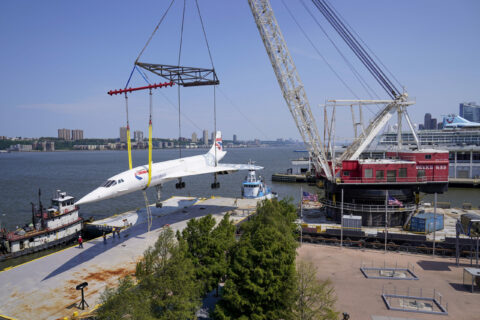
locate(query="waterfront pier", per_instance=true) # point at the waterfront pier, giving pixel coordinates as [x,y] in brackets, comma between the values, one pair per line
[45,288]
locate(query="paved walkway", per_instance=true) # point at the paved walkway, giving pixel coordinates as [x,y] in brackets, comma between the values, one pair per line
[45,288]
[362,297]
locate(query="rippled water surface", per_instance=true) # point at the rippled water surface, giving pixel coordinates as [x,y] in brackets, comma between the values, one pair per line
[78,172]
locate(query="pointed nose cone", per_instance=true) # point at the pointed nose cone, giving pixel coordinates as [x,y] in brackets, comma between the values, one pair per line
[95,195]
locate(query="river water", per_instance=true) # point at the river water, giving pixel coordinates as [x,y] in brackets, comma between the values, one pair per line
[79,172]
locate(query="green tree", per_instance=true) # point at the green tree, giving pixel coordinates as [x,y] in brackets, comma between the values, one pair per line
[315,299]
[168,275]
[166,285]
[124,302]
[208,248]
[261,277]
[223,242]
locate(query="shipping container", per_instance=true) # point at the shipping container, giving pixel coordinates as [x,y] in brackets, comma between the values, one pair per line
[352,222]
[425,223]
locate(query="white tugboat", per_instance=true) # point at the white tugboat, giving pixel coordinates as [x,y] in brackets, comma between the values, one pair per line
[59,224]
[253,188]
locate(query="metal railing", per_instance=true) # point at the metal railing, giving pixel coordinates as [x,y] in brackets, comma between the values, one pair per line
[365,207]
[420,300]
[373,180]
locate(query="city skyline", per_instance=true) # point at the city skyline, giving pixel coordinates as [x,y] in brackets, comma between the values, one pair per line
[106,47]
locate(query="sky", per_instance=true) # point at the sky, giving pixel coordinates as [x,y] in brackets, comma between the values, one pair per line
[59,58]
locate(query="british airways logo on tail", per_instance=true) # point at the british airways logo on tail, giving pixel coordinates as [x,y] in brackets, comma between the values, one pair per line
[140,172]
[219,143]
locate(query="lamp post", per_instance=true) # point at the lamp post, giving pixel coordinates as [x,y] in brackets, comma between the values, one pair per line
[434,221]
[386,219]
[301,215]
[341,221]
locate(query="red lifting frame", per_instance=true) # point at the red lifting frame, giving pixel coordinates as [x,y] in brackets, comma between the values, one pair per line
[152,86]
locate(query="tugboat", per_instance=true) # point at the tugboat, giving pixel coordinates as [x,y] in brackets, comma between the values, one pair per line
[253,188]
[59,224]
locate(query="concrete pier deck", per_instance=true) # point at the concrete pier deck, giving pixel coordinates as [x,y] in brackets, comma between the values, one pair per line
[45,288]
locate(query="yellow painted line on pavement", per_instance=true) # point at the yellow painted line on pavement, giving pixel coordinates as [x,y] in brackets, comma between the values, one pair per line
[21,264]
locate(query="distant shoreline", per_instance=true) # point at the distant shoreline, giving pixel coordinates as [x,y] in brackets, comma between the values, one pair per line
[117,150]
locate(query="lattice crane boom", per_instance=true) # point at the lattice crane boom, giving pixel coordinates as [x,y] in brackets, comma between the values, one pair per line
[292,88]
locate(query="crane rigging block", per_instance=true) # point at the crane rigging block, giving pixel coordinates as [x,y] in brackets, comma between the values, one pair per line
[183,76]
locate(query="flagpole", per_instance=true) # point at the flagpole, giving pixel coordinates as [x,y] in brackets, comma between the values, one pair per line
[341,219]
[301,215]
[434,222]
[386,217]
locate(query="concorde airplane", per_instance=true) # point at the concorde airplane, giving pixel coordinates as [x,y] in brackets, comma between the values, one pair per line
[137,178]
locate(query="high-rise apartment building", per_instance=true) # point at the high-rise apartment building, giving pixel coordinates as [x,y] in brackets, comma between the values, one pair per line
[138,136]
[194,138]
[234,138]
[77,134]
[205,137]
[123,134]
[433,124]
[64,134]
[427,121]
[470,111]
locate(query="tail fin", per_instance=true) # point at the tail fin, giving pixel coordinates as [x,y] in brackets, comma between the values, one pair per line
[217,148]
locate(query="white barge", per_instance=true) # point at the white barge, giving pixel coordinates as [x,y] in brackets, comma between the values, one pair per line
[59,224]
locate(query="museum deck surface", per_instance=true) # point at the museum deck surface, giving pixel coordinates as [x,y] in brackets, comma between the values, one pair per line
[45,288]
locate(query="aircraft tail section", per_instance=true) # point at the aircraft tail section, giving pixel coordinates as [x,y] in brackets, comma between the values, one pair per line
[216,151]
[453,120]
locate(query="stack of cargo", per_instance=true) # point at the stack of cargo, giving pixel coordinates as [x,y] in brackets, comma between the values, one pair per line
[351,222]
[426,222]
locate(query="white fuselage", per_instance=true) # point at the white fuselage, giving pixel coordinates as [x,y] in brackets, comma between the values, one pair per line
[137,178]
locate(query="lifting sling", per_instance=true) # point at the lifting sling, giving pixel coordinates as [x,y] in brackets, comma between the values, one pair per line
[129,145]
[150,143]
[147,206]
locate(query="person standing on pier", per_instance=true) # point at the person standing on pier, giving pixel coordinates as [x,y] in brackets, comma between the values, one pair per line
[104,237]
[80,242]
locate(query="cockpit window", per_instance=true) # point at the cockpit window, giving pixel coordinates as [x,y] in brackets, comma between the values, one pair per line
[109,183]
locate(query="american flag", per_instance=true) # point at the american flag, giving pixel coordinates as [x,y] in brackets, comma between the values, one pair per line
[309,197]
[394,202]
